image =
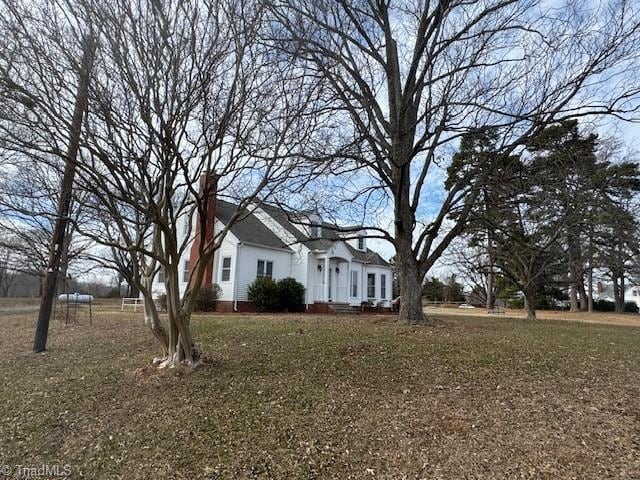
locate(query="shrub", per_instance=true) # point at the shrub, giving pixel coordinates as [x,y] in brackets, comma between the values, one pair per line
[291,294]
[207,297]
[631,307]
[263,292]
[161,302]
[515,303]
[604,306]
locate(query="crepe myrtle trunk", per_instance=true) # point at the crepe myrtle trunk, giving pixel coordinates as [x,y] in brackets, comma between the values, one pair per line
[151,316]
[181,347]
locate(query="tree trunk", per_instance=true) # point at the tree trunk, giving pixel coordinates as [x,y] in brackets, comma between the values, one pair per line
[410,290]
[133,290]
[573,298]
[530,302]
[575,265]
[66,190]
[491,301]
[152,319]
[590,287]
[181,346]
[618,293]
[584,300]
[590,271]
[410,279]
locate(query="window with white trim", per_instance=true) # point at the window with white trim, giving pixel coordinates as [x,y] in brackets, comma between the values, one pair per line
[354,283]
[265,268]
[187,225]
[225,270]
[360,243]
[371,285]
[383,287]
[186,273]
[160,278]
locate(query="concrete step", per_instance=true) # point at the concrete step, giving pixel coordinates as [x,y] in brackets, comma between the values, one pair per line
[341,308]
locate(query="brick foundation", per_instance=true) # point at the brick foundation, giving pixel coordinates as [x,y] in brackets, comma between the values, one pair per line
[314,308]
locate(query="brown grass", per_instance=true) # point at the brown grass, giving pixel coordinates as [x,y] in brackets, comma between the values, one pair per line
[624,319]
[325,397]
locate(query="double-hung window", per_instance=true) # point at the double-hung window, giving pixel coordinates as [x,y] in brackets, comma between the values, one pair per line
[186,273]
[371,285]
[383,287]
[225,271]
[354,283]
[265,268]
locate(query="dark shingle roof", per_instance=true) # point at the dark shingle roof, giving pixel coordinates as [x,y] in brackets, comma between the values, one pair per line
[330,234]
[282,217]
[249,229]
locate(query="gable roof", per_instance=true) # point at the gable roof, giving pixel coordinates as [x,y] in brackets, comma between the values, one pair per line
[329,234]
[249,229]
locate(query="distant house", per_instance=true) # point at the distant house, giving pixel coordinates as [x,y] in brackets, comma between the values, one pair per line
[335,270]
[605,292]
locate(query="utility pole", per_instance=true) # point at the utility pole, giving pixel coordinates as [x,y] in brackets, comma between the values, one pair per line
[66,190]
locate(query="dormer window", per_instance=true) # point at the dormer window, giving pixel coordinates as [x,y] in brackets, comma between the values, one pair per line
[316,230]
[360,243]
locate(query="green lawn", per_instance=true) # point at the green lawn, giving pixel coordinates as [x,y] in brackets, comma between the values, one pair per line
[325,397]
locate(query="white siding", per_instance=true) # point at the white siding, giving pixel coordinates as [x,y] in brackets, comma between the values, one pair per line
[354,241]
[378,271]
[248,257]
[298,263]
[227,249]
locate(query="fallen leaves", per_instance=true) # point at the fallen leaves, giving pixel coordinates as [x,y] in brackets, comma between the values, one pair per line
[306,397]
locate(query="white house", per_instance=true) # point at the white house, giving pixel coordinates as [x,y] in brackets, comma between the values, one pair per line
[337,272]
[605,292]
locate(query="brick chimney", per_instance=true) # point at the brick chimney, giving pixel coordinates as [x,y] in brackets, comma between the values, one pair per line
[208,190]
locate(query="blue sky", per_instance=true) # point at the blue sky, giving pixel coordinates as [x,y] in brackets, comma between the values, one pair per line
[627,131]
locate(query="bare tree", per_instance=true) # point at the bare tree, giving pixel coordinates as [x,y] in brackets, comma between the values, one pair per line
[472,259]
[8,271]
[410,77]
[187,107]
[29,193]
[47,45]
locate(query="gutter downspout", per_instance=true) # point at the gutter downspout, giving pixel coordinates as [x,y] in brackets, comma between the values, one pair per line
[308,280]
[235,278]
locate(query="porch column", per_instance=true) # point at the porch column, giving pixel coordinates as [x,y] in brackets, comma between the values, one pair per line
[349,282]
[326,278]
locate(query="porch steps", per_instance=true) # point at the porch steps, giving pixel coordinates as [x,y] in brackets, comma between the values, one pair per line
[341,308]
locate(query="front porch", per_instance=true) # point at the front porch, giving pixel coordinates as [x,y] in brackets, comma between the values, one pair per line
[331,281]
